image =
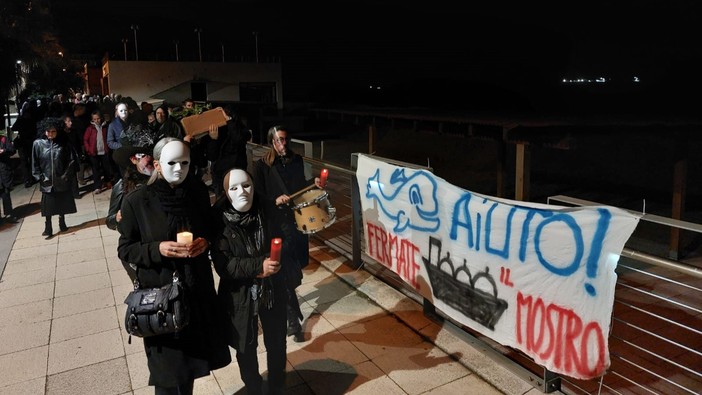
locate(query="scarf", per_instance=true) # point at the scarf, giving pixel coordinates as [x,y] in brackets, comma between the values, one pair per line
[174,202]
[249,227]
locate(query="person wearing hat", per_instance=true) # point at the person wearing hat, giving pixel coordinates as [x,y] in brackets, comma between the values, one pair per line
[135,156]
[53,162]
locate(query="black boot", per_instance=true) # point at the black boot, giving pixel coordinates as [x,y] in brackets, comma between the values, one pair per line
[48,230]
[62,223]
[294,327]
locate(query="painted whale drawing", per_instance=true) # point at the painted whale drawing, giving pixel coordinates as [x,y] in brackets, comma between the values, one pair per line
[410,201]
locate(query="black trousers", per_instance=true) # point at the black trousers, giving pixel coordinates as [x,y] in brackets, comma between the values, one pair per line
[101,167]
[273,322]
[183,389]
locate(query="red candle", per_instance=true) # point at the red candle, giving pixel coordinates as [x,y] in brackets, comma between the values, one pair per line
[276,244]
[323,177]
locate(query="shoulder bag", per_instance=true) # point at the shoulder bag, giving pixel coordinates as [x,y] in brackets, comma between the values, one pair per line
[157,311]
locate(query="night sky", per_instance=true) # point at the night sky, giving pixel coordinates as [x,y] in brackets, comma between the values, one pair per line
[521,50]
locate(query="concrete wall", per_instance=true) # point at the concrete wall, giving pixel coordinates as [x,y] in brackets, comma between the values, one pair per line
[170,81]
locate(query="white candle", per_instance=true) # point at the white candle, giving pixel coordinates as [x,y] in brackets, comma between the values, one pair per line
[184,237]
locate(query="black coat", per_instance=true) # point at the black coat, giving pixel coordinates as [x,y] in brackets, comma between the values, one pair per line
[53,162]
[281,220]
[237,267]
[200,347]
[6,173]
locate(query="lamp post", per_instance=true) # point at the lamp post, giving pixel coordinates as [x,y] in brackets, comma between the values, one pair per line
[255,34]
[136,46]
[176,47]
[124,42]
[199,43]
[222,52]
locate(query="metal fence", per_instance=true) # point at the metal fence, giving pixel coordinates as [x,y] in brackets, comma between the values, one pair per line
[656,333]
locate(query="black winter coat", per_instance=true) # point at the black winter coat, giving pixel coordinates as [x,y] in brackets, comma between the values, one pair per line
[238,256]
[200,347]
[281,219]
[53,162]
[6,173]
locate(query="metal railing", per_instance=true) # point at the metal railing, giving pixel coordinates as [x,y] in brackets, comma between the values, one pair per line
[656,333]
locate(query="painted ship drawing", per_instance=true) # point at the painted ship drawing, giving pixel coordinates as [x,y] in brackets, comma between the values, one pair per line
[478,305]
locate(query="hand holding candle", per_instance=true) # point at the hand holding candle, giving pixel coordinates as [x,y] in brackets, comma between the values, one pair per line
[276,245]
[184,237]
[323,178]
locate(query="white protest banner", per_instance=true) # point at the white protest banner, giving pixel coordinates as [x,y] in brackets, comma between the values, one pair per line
[535,277]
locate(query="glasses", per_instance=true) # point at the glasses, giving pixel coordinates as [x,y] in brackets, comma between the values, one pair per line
[280,139]
[139,156]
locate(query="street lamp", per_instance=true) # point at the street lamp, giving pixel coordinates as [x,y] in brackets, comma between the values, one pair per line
[176,47]
[124,41]
[255,34]
[136,46]
[199,43]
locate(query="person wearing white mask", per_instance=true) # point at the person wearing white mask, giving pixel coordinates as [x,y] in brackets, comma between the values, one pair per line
[251,286]
[151,217]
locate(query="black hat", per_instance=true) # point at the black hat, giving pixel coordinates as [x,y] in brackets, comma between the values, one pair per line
[136,139]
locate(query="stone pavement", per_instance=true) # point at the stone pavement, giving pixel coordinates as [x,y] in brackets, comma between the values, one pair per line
[61,323]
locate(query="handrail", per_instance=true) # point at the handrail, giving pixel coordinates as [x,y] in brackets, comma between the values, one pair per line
[676,223]
[642,256]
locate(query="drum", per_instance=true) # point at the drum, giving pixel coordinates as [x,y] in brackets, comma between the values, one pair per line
[313,212]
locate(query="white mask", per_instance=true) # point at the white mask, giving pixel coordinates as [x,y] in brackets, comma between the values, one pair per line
[240,190]
[174,162]
[122,111]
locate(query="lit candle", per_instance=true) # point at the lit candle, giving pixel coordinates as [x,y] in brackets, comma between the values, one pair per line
[276,244]
[323,177]
[184,237]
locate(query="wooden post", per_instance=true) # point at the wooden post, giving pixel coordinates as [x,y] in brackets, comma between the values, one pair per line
[371,138]
[500,171]
[522,172]
[678,204]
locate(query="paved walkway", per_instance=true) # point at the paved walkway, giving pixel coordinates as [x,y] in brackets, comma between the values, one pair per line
[61,323]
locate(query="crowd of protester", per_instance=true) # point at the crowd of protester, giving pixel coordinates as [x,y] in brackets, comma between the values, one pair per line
[156,172]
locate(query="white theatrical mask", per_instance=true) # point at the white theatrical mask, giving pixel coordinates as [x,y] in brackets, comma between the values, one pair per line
[174,162]
[122,111]
[240,190]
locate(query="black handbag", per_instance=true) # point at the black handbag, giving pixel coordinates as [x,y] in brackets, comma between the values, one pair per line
[157,311]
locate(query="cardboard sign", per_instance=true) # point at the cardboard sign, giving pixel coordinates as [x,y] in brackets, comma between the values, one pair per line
[196,125]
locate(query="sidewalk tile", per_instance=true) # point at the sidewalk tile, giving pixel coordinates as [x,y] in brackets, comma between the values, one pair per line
[23,366]
[90,254]
[409,368]
[326,291]
[105,378]
[476,385]
[78,325]
[43,250]
[26,313]
[68,245]
[28,265]
[29,294]
[18,280]
[138,369]
[80,303]
[31,387]
[206,386]
[83,284]
[81,269]
[85,351]
[364,378]
[26,336]
[331,352]
[33,241]
[350,310]
[381,335]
